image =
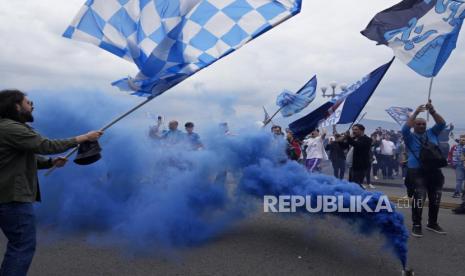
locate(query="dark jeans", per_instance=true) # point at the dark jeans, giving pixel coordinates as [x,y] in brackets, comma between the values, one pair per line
[339,167]
[357,176]
[386,165]
[368,175]
[375,169]
[17,221]
[404,169]
[425,183]
[395,164]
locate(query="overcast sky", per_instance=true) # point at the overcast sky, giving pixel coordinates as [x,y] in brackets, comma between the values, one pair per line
[324,39]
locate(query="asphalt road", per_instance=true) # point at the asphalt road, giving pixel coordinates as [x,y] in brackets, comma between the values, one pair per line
[264,244]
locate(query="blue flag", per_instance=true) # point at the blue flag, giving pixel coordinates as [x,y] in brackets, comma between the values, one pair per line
[399,114]
[343,109]
[422,33]
[291,103]
[170,40]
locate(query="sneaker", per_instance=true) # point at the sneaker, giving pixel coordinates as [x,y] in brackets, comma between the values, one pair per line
[371,186]
[364,187]
[456,195]
[459,211]
[436,228]
[416,231]
[375,177]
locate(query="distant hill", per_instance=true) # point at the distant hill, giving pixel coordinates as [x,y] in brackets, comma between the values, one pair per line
[371,125]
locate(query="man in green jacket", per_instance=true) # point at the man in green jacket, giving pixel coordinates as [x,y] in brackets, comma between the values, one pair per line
[21,148]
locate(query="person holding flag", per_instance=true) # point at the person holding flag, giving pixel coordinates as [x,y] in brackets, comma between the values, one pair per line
[21,150]
[337,153]
[361,156]
[315,150]
[422,181]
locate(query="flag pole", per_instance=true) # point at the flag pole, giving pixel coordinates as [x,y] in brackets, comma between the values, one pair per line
[107,126]
[362,117]
[429,95]
[357,121]
[271,118]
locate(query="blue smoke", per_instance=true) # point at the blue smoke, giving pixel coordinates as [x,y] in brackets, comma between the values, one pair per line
[150,198]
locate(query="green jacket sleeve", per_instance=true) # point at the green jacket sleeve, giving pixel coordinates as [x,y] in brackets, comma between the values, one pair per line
[22,137]
[43,162]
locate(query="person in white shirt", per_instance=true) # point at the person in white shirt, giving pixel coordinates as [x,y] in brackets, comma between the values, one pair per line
[315,150]
[388,149]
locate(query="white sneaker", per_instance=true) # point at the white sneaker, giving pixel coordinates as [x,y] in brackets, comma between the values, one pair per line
[364,187]
[371,186]
[375,177]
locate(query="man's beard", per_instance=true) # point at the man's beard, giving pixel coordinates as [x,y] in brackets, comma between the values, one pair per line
[25,116]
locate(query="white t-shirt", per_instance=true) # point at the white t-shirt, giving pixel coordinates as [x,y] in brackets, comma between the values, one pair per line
[387,147]
[315,148]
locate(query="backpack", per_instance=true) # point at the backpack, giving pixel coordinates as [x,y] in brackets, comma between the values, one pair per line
[431,156]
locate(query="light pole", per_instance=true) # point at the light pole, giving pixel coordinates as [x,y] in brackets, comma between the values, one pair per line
[333,86]
[323,89]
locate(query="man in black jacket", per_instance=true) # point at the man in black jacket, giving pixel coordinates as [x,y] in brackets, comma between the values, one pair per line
[337,155]
[361,156]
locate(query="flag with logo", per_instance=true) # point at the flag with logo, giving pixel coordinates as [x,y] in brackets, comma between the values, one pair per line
[290,103]
[399,114]
[344,108]
[422,33]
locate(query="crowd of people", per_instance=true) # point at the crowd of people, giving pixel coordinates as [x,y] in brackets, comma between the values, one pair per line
[383,154]
[174,136]
[386,154]
[415,156]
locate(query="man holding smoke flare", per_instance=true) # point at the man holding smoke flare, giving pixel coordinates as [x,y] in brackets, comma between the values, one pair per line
[20,146]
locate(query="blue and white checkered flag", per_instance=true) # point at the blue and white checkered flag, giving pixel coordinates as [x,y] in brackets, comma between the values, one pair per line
[422,33]
[170,40]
